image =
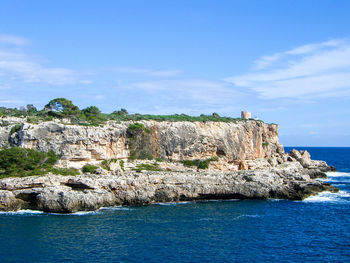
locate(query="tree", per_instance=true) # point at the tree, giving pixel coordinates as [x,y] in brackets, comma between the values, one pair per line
[121,112]
[93,115]
[31,108]
[91,112]
[62,107]
[124,111]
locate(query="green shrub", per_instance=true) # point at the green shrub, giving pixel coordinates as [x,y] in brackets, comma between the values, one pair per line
[4,123]
[105,164]
[139,141]
[136,128]
[15,128]
[89,168]
[24,162]
[121,164]
[64,171]
[265,144]
[33,119]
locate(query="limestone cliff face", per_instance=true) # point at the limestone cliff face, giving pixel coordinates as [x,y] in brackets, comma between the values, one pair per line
[244,140]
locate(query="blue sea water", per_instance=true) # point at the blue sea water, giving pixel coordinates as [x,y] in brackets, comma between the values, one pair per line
[314,230]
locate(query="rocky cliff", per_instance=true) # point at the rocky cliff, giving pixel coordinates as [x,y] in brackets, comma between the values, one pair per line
[234,142]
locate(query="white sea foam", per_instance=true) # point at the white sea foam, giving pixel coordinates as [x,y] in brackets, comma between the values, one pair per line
[338,174]
[339,197]
[116,208]
[23,212]
[79,213]
[112,208]
[174,203]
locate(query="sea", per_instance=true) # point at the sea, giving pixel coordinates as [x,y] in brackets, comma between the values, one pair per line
[314,230]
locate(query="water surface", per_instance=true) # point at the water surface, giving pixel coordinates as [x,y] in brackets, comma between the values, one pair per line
[314,230]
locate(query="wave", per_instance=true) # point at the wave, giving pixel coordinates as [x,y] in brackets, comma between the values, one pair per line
[339,197]
[234,218]
[242,216]
[223,200]
[337,174]
[22,212]
[79,213]
[125,208]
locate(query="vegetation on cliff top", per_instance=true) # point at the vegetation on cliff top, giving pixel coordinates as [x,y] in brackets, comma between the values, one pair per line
[62,108]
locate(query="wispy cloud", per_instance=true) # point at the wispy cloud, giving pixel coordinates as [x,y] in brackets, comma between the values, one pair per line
[16,65]
[309,71]
[12,101]
[148,72]
[13,40]
[210,92]
[192,96]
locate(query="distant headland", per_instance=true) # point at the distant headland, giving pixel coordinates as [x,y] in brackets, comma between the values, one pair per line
[63,159]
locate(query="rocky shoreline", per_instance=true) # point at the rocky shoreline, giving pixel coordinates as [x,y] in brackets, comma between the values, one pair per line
[294,179]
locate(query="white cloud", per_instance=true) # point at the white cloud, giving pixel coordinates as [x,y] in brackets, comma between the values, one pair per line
[18,66]
[309,71]
[13,40]
[148,72]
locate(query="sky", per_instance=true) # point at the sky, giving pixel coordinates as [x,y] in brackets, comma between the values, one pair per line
[287,62]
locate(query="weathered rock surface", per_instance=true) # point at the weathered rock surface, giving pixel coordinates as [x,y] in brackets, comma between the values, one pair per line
[66,194]
[244,140]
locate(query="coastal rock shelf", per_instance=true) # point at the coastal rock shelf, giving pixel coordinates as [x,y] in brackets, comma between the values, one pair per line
[244,160]
[67,194]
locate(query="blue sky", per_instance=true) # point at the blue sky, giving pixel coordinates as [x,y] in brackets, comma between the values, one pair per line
[288,62]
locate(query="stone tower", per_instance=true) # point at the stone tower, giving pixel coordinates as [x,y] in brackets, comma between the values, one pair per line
[246,115]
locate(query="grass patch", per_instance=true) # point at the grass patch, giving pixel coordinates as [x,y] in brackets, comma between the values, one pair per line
[33,119]
[200,164]
[64,171]
[147,167]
